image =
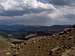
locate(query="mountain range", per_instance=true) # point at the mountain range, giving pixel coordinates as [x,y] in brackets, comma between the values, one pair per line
[22,31]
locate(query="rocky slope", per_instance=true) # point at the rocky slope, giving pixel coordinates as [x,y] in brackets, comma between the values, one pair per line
[59,44]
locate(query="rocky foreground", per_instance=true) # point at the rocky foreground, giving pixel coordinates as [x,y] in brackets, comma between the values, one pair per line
[59,44]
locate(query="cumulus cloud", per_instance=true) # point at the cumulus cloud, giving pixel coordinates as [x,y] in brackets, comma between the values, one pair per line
[20,7]
[37,12]
[21,4]
[24,6]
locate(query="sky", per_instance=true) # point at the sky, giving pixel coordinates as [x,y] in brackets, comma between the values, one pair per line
[37,12]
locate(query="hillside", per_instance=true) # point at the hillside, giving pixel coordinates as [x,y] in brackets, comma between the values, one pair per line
[59,44]
[4,46]
[20,31]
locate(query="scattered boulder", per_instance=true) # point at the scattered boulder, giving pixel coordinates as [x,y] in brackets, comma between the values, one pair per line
[68,30]
[61,33]
[50,52]
[8,53]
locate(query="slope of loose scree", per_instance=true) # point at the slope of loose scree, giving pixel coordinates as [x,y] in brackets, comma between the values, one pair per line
[60,44]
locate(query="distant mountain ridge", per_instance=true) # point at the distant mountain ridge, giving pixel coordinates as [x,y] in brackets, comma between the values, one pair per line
[21,30]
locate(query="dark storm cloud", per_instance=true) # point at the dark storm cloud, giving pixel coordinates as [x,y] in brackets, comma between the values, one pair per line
[62,2]
[27,20]
[44,1]
[49,12]
[12,13]
[46,18]
[70,17]
[59,2]
[21,12]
